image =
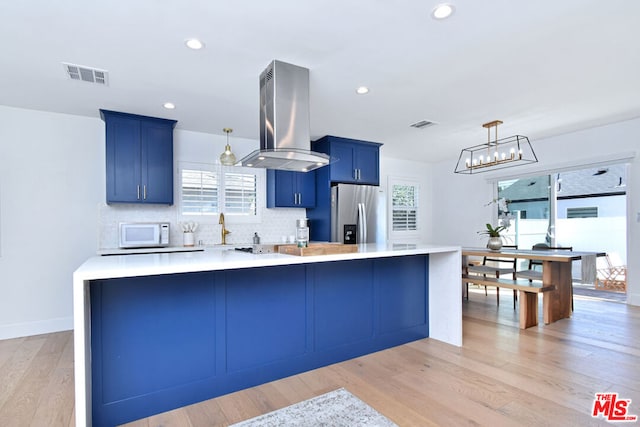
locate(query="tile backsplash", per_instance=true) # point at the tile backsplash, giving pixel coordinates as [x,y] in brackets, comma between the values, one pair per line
[275,224]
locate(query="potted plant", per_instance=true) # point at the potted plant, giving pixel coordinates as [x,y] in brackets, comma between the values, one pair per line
[495,240]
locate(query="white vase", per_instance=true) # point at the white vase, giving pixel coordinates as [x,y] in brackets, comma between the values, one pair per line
[494,243]
[187,239]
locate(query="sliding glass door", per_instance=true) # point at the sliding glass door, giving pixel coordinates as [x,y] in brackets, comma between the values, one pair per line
[592,210]
[584,209]
[528,210]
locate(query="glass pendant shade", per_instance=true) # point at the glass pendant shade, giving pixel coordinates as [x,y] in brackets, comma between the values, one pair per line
[227,158]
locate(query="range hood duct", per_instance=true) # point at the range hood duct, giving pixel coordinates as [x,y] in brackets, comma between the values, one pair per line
[284,121]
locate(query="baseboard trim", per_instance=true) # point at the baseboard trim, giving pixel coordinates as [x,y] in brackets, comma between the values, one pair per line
[633,299]
[26,329]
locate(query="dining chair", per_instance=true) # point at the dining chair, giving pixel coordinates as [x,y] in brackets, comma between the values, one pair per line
[496,266]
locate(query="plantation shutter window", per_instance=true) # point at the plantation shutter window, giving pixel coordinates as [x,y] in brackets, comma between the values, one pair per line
[404,207]
[239,193]
[206,190]
[199,192]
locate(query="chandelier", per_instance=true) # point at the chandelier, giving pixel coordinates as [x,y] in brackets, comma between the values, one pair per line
[496,154]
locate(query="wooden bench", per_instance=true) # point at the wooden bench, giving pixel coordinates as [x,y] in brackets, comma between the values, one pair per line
[528,296]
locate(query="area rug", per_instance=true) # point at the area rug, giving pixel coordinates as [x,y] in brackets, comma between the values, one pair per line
[338,408]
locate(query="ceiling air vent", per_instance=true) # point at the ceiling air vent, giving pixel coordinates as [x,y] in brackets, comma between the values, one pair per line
[422,124]
[86,74]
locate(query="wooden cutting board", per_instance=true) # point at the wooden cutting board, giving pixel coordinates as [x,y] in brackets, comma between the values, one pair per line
[318,249]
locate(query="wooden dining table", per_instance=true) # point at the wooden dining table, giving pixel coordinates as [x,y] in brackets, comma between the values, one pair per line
[556,273]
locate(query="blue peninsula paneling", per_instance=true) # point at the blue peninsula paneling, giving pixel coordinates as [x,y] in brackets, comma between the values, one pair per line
[343,303]
[162,342]
[265,316]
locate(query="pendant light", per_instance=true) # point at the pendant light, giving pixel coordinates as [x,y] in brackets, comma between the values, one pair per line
[227,158]
[495,154]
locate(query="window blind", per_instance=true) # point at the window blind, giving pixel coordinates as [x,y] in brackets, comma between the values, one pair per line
[239,193]
[404,207]
[199,192]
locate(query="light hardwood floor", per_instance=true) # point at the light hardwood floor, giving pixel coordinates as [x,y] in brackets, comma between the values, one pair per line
[546,375]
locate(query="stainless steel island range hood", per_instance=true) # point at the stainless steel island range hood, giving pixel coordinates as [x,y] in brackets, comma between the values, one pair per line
[284,121]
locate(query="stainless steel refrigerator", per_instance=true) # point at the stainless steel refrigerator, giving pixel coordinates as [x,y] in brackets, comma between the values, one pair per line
[358,214]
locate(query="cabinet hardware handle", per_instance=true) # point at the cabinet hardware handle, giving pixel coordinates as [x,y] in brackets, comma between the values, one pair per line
[144,191]
[299,198]
[138,192]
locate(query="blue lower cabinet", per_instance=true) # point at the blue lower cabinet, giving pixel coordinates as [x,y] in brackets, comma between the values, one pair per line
[162,342]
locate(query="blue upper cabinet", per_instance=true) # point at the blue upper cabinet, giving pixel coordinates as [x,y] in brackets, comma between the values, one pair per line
[288,189]
[357,162]
[139,157]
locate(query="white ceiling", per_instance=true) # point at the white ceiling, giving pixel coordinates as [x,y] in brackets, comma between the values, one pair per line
[543,67]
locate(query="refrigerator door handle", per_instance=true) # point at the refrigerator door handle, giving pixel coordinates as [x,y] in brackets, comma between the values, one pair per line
[362,224]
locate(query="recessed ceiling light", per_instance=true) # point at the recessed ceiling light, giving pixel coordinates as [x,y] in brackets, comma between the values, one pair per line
[362,90]
[194,44]
[442,11]
[169,105]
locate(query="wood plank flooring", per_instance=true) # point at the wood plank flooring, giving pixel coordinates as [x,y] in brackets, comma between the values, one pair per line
[502,376]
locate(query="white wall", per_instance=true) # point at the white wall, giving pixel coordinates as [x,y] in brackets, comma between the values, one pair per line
[51,180]
[459,202]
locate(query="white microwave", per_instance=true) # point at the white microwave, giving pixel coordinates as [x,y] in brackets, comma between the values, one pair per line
[144,234]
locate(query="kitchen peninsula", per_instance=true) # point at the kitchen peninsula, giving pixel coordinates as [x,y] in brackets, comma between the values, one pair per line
[158,331]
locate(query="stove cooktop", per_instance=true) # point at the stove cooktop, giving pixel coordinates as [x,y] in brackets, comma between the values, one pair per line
[258,249]
[129,251]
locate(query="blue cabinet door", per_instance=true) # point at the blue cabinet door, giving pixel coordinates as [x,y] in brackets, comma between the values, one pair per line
[288,189]
[366,162]
[123,159]
[280,191]
[342,170]
[157,166]
[139,158]
[306,186]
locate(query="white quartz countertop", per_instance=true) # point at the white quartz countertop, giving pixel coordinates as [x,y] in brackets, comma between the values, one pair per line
[212,259]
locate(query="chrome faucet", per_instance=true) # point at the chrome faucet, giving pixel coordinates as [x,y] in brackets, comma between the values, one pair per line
[223,231]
